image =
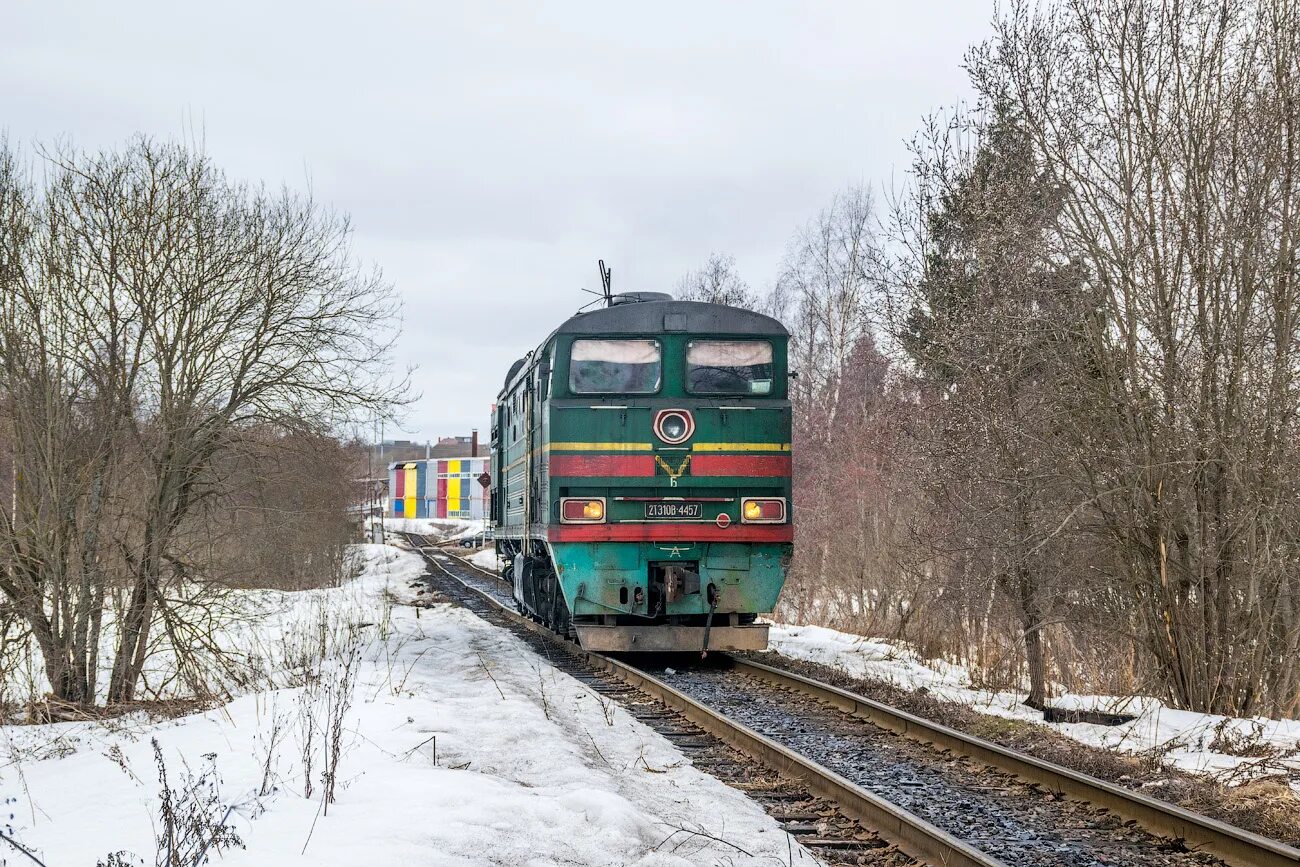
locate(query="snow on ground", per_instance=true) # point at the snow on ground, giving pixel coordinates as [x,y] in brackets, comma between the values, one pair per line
[461,748]
[476,528]
[439,528]
[1186,736]
[487,559]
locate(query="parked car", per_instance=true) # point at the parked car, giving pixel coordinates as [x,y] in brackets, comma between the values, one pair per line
[478,540]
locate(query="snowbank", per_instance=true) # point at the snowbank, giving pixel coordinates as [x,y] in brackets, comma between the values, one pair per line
[476,528]
[461,747]
[1186,736]
[439,529]
[487,559]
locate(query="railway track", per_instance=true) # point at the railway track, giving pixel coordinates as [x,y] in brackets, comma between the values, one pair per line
[939,795]
[818,822]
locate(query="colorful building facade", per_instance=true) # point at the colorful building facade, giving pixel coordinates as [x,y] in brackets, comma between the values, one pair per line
[438,488]
[406,487]
[457,490]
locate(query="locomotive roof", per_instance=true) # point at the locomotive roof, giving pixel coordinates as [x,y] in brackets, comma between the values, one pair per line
[651,317]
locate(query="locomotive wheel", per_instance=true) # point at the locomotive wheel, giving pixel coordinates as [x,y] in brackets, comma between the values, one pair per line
[559,611]
[543,600]
[552,615]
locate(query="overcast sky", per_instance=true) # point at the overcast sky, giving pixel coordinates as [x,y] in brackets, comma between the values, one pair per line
[489,153]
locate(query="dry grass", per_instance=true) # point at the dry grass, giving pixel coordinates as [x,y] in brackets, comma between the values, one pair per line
[1268,807]
[50,710]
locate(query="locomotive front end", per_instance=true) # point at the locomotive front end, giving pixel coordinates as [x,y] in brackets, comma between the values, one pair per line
[667,459]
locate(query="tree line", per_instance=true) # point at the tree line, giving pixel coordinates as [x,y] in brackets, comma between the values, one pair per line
[177,351]
[1048,391]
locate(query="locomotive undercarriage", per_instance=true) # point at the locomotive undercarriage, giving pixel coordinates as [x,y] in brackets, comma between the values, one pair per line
[537,589]
[540,594]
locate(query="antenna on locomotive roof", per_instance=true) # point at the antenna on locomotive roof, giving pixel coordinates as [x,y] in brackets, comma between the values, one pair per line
[605,277]
[606,294]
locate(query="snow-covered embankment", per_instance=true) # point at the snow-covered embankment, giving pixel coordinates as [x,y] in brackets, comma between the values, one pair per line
[460,747]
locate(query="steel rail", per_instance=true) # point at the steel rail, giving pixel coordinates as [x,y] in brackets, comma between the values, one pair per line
[910,833]
[1197,832]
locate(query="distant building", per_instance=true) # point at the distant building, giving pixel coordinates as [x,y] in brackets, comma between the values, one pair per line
[397,450]
[393,451]
[456,447]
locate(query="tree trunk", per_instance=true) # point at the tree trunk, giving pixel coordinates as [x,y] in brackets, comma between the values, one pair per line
[1035,650]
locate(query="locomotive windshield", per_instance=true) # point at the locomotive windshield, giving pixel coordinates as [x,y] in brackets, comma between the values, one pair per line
[615,367]
[729,367]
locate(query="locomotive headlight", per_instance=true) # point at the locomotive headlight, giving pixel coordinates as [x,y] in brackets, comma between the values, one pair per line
[762,510]
[582,510]
[674,426]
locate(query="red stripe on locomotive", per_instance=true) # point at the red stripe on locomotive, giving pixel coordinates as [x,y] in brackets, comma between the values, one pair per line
[670,533]
[602,465]
[740,465]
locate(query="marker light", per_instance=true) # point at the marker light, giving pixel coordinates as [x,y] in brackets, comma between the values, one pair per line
[674,426]
[582,510]
[765,510]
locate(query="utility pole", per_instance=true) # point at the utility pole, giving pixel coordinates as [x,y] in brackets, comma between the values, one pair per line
[383,487]
[368,509]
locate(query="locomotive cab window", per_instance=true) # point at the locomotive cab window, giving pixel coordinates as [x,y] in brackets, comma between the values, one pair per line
[615,366]
[729,367]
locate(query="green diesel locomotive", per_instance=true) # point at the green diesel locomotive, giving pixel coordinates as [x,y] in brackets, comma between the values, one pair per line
[641,476]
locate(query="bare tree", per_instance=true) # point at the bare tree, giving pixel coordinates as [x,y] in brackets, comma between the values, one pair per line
[282,520]
[1171,127]
[717,282]
[825,292]
[153,313]
[847,408]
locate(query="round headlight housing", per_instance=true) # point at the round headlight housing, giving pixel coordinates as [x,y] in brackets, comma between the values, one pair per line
[674,426]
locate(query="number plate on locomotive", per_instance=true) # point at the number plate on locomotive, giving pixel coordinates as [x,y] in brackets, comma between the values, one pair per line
[673,510]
